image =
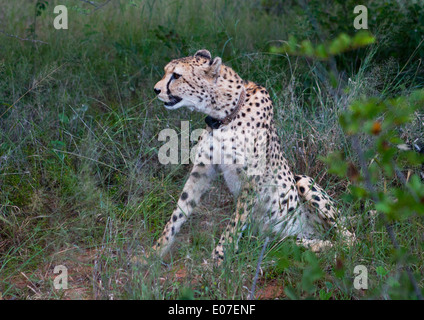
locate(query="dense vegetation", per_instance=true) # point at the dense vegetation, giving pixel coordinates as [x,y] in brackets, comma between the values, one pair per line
[80,181]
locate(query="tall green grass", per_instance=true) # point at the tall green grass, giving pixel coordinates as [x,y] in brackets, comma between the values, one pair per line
[80,182]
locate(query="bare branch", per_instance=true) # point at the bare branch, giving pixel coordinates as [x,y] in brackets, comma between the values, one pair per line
[90,2]
[252,291]
[96,6]
[30,89]
[22,39]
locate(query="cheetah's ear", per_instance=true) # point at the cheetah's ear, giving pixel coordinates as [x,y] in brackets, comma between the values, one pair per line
[204,54]
[215,66]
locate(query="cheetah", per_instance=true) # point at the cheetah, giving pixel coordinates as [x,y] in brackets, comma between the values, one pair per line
[239,118]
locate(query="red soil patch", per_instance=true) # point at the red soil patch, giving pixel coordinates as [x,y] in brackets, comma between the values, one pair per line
[272,290]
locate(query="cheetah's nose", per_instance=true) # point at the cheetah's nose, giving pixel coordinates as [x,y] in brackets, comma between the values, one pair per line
[157,91]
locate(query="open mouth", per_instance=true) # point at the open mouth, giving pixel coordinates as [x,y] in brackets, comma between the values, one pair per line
[173,100]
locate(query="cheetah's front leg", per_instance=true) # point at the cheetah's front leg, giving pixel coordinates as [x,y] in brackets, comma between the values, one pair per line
[233,231]
[198,182]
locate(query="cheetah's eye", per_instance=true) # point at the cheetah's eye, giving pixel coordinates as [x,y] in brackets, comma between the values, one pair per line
[176,75]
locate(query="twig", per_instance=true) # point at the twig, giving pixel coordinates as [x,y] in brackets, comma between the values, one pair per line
[258,267]
[90,2]
[96,5]
[389,229]
[22,39]
[30,89]
[88,158]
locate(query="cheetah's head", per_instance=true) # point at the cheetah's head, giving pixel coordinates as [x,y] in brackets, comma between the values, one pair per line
[197,82]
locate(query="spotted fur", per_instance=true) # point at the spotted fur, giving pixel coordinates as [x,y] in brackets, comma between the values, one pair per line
[293,205]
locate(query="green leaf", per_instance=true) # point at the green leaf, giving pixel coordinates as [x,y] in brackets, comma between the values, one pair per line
[63,118]
[291,293]
[381,271]
[362,39]
[311,273]
[186,294]
[323,295]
